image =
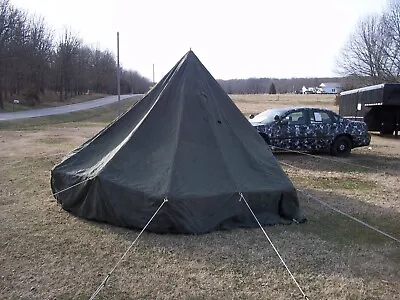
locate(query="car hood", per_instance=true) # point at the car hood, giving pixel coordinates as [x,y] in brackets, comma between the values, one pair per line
[255,123]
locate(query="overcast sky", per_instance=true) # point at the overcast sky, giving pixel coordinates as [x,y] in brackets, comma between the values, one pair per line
[233,39]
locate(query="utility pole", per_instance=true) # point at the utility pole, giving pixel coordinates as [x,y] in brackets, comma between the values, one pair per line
[118,77]
[131,83]
[153,75]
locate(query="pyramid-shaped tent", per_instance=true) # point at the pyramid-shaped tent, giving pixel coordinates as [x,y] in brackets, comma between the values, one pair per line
[187,141]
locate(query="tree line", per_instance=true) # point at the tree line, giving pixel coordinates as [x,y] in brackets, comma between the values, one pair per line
[372,52]
[33,61]
[276,85]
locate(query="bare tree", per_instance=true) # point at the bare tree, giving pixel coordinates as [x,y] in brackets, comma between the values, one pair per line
[372,52]
[364,54]
[8,15]
[25,50]
[38,57]
[391,23]
[133,83]
[32,62]
[66,63]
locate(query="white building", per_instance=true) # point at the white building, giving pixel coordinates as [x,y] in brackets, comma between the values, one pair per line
[330,87]
[309,90]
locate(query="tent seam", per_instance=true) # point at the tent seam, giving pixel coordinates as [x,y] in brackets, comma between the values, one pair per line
[126,140]
[220,150]
[176,148]
[99,133]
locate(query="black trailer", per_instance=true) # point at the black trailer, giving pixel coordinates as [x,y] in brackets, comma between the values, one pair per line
[377,105]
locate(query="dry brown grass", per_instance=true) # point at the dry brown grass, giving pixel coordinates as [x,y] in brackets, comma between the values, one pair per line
[46,253]
[251,104]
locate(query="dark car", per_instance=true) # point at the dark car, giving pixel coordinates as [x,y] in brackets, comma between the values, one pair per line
[310,129]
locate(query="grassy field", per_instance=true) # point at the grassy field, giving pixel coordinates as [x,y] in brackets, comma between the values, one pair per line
[46,253]
[252,104]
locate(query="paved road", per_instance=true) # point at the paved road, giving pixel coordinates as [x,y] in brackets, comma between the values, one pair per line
[34,113]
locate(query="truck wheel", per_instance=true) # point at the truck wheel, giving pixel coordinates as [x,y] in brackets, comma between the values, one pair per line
[341,146]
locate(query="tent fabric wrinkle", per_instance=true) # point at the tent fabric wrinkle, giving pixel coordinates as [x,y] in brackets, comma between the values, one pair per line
[186,141]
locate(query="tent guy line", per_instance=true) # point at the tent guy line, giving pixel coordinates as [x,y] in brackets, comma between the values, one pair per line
[72,186]
[104,282]
[341,212]
[273,246]
[349,216]
[302,191]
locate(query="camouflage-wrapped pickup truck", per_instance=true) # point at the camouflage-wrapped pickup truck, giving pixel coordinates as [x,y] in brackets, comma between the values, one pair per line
[310,129]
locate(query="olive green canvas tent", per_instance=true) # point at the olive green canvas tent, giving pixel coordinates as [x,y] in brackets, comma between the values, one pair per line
[185,141]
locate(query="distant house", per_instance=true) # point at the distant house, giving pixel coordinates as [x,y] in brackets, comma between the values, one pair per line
[330,88]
